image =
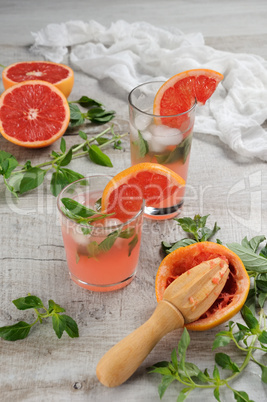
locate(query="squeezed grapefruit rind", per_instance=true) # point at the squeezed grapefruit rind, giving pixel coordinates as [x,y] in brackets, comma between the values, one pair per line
[197,253]
[42,143]
[65,85]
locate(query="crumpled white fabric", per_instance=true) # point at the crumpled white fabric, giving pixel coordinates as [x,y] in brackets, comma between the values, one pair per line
[130,54]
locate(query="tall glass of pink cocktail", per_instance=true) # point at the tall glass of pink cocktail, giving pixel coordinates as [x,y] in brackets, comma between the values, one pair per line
[160,139]
[102,253]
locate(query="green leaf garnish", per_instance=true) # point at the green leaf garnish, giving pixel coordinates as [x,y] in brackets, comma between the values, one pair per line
[98,157]
[61,322]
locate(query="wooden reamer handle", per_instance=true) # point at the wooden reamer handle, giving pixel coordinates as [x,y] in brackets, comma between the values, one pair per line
[122,360]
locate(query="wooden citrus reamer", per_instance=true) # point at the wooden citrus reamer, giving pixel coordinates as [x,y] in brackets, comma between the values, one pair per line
[184,301]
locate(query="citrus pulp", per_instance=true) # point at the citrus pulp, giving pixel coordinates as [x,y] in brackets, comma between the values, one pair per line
[57,74]
[153,182]
[33,114]
[234,293]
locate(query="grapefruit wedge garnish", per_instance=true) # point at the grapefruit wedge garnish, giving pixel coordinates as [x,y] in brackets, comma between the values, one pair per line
[152,182]
[57,74]
[234,293]
[33,114]
[179,94]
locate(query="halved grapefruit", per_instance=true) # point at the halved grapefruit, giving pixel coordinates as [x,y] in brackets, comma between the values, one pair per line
[154,183]
[179,94]
[57,74]
[234,293]
[33,114]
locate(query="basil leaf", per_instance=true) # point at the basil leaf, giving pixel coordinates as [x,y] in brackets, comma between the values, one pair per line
[66,160]
[87,102]
[55,307]
[182,347]
[168,248]
[77,209]
[59,324]
[71,326]
[263,337]
[254,243]
[25,303]
[31,179]
[165,382]
[58,182]
[70,175]
[216,394]
[100,115]
[263,252]
[98,157]
[83,135]
[262,298]
[221,340]
[249,318]
[261,282]
[76,116]
[7,163]
[251,260]
[241,396]
[223,360]
[63,145]
[102,140]
[20,330]
[132,245]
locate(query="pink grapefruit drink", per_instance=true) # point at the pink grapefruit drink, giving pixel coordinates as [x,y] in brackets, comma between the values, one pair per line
[102,255]
[160,139]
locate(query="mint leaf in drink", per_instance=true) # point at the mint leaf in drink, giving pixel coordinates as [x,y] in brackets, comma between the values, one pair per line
[142,145]
[61,322]
[127,233]
[106,244]
[132,245]
[180,152]
[77,209]
[15,332]
[98,157]
[28,302]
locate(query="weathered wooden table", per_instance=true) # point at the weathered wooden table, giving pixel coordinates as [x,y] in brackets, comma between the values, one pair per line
[229,188]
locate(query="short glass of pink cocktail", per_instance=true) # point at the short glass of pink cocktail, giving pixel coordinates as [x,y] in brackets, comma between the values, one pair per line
[160,139]
[101,255]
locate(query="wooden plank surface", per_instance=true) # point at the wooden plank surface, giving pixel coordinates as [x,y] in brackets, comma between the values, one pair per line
[231,189]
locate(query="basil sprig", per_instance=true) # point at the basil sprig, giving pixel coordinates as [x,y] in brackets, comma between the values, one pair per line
[61,322]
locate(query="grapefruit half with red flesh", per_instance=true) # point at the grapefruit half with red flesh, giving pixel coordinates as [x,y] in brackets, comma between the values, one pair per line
[59,75]
[33,114]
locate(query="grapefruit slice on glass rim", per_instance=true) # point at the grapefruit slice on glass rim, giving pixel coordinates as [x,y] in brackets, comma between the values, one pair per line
[152,182]
[57,74]
[33,114]
[179,93]
[234,293]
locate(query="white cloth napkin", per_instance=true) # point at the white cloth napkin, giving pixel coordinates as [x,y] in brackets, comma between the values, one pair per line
[130,54]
